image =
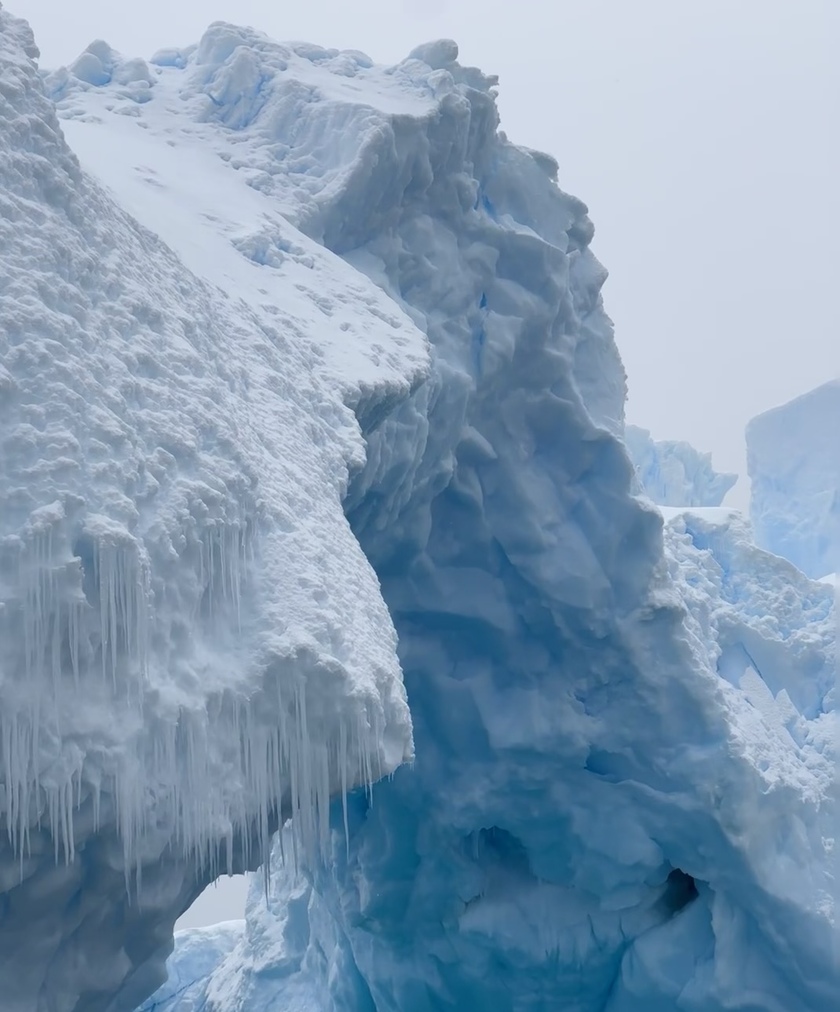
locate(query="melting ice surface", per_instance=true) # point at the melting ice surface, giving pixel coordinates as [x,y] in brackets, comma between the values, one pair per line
[624,792]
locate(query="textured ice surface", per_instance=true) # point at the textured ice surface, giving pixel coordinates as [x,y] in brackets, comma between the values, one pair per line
[688,944]
[623,798]
[793,455]
[191,639]
[673,473]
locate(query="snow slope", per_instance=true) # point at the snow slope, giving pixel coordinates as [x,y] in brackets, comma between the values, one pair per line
[191,639]
[793,456]
[673,473]
[623,798]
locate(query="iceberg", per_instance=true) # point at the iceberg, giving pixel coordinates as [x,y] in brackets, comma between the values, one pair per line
[622,797]
[319,415]
[794,465]
[673,473]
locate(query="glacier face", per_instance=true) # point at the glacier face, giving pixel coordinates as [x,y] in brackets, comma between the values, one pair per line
[623,793]
[794,464]
[192,642]
[673,473]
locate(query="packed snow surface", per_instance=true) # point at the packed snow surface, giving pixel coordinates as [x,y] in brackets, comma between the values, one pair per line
[623,798]
[673,473]
[192,642]
[793,455]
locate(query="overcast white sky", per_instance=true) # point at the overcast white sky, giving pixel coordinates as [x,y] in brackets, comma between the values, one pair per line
[701,133]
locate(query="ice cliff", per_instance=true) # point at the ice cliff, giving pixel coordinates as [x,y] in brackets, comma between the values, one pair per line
[793,455]
[589,927]
[623,794]
[673,473]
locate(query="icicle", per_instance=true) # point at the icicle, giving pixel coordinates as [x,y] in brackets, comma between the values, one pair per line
[224,566]
[73,638]
[113,558]
[342,765]
[281,767]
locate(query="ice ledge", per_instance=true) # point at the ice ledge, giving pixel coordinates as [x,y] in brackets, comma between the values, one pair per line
[192,643]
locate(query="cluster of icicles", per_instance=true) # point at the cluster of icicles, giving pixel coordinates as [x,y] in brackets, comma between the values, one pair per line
[212,777]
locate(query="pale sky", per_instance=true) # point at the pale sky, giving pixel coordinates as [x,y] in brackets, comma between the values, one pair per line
[701,133]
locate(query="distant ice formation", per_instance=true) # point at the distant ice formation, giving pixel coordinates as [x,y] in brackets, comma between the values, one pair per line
[328,362]
[793,456]
[673,473]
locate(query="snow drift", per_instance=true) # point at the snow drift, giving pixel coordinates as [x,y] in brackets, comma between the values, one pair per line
[623,793]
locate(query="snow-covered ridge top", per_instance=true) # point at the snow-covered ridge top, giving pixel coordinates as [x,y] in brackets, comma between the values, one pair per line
[175,132]
[305,118]
[308,126]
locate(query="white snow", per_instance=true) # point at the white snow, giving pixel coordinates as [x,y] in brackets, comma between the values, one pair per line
[191,639]
[179,186]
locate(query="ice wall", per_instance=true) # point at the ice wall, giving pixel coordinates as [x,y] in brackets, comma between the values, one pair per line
[673,473]
[622,799]
[793,456]
[192,642]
